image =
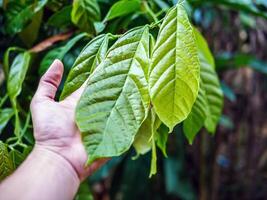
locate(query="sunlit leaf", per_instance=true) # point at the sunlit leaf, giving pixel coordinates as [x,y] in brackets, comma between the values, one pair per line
[5,116]
[174,78]
[89,58]
[122,8]
[84,13]
[18,14]
[143,139]
[17,74]
[115,102]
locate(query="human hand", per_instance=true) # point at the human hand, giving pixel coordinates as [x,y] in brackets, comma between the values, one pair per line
[54,123]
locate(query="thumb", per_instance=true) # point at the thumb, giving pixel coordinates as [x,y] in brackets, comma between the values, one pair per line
[50,81]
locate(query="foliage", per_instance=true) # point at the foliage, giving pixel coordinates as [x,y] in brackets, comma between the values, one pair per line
[147,70]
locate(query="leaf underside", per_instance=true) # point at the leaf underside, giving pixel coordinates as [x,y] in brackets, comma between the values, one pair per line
[87,61]
[116,100]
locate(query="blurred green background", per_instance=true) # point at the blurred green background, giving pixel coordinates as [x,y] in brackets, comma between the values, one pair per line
[230,165]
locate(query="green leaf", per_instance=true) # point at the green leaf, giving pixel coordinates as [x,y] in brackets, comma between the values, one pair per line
[19,15]
[15,80]
[18,157]
[58,53]
[5,116]
[116,100]
[174,78]
[30,33]
[122,8]
[143,139]
[196,119]
[208,106]
[6,164]
[211,84]
[6,58]
[84,192]
[162,138]
[88,60]
[17,74]
[61,18]
[84,13]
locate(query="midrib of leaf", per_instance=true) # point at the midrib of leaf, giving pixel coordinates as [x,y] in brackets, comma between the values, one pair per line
[114,105]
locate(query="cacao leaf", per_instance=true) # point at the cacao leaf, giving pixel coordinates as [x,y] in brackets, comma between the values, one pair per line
[116,100]
[89,58]
[174,77]
[84,13]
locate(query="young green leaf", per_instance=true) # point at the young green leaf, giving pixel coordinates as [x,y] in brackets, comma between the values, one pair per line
[174,77]
[6,58]
[84,13]
[162,138]
[15,80]
[18,14]
[30,33]
[211,84]
[116,100]
[62,18]
[208,106]
[122,8]
[143,139]
[58,53]
[6,164]
[5,116]
[89,58]
[195,120]
[17,74]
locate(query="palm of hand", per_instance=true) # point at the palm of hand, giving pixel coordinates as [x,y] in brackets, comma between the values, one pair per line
[54,122]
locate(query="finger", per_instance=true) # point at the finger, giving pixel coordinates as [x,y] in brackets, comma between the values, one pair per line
[50,81]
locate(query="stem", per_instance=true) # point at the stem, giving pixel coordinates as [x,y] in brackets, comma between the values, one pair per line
[25,125]
[150,12]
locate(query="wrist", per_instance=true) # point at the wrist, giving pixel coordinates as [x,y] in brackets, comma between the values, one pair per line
[56,161]
[71,150]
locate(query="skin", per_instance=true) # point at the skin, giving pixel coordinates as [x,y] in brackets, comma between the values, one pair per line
[56,166]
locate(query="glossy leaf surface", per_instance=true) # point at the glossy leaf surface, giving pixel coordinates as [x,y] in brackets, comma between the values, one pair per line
[122,8]
[174,78]
[19,14]
[5,116]
[17,74]
[84,13]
